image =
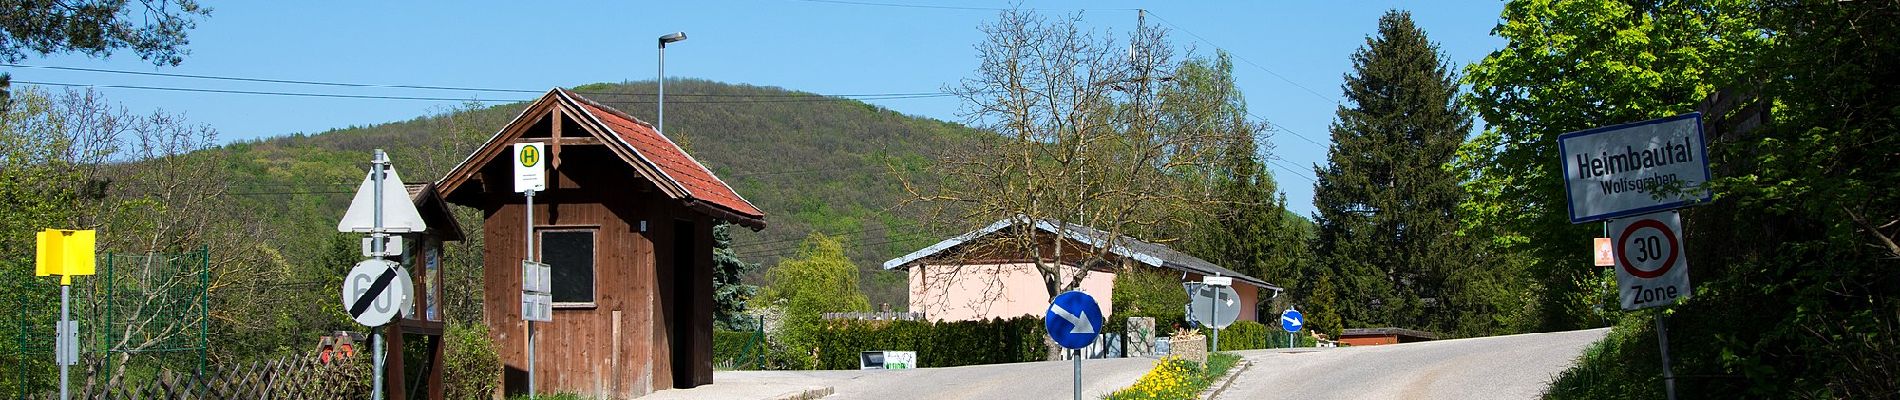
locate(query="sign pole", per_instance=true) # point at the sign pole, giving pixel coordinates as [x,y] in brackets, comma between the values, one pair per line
[1078,372]
[376,247]
[529,244]
[1212,308]
[1662,335]
[65,340]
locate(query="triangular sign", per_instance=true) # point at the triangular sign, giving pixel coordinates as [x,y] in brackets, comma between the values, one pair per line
[399,212]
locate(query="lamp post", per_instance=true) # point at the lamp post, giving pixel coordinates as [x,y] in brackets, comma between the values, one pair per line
[664,39]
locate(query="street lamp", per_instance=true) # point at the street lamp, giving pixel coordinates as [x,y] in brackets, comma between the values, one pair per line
[664,39]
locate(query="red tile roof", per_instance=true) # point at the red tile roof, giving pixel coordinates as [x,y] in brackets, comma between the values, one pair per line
[699,182]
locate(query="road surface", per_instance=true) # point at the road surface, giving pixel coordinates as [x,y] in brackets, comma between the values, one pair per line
[1499,367]
[1033,380]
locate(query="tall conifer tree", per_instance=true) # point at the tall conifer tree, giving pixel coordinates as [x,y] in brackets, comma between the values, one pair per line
[1387,206]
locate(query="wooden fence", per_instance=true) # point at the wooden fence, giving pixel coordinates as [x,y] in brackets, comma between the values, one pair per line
[876,316]
[289,378]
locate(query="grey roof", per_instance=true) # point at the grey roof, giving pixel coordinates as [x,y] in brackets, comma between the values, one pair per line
[1151,254]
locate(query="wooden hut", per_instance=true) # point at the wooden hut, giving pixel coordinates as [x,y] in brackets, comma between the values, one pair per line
[626,223]
[422,256]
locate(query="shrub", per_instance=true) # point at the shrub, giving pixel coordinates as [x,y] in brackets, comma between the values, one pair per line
[1175,378]
[938,344]
[736,350]
[471,369]
[1171,378]
[1247,335]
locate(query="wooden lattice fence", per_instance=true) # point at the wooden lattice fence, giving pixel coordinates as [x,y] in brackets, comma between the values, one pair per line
[289,378]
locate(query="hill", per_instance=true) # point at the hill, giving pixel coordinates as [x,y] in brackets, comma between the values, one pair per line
[812,163]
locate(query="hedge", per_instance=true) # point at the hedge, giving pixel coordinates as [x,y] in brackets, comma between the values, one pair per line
[1247,335]
[938,344]
[736,350]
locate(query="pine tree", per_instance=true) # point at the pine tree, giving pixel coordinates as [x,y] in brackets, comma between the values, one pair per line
[1388,225]
[730,294]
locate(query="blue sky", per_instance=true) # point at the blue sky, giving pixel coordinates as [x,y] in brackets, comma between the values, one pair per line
[1291,56]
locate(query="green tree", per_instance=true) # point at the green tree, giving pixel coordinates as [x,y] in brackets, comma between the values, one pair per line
[730,293]
[1388,226]
[1568,66]
[155,29]
[820,279]
[1248,232]
[34,195]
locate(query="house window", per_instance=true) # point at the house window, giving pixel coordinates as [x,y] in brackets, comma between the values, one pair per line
[570,256]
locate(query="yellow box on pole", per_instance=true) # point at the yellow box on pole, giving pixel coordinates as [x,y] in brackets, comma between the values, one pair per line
[66,253]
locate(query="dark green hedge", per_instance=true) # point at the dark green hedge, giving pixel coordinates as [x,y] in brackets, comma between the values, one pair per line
[944,344]
[1245,335]
[736,349]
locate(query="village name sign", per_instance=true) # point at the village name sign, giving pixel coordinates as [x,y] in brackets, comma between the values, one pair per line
[1618,171]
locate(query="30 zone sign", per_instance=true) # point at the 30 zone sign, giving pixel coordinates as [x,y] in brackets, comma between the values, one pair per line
[1651,270]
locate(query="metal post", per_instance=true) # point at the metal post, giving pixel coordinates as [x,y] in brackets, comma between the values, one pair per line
[65,338]
[377,339]
[1212,311]
[529,245]
[1662,334]
[662,101]
[1078,373]
[376,238]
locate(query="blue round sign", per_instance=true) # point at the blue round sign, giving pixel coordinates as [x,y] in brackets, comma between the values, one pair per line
[1291,320]
[1073,320]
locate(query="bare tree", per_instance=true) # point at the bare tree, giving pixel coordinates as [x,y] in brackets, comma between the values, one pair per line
[1081,145]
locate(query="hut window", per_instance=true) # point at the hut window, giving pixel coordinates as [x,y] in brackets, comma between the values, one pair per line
[570,253]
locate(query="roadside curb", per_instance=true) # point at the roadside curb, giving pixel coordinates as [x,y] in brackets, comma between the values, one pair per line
[813,393]
[1226,380]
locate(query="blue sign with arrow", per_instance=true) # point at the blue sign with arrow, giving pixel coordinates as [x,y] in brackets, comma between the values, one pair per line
[1291,320]
[1073,320]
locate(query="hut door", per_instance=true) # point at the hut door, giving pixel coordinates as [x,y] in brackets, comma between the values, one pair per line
[682,305]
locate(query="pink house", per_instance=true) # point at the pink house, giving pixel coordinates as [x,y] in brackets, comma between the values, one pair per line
[966,278]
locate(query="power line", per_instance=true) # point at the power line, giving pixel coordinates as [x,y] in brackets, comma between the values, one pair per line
[938,7]
[805,99]
[855,245]
[1283,128]
[774,243]
[1245,60]
[453,88]
[1284,165]
[768,173]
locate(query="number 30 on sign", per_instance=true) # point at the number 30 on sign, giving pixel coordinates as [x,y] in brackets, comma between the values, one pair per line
[1651,269]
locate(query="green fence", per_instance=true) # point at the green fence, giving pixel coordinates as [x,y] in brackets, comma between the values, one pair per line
[142,314]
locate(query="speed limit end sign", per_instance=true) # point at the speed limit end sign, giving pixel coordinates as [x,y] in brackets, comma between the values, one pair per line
[1651,267]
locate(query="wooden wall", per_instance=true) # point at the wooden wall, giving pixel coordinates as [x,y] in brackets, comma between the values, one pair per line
[622,346]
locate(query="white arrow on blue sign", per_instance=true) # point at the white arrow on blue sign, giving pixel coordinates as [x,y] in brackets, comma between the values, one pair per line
[1073,320]
[1291,320]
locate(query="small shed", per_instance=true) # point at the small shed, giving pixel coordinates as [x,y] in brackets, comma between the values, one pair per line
[1379,336]
[626,223]
[422,256]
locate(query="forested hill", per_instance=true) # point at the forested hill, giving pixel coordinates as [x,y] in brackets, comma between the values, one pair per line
[811,162]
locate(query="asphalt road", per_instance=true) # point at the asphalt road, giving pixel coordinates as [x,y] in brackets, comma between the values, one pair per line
[1034,380]
[1499,367]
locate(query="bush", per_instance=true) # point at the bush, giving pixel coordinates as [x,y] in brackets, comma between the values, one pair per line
[471,369]
[1174,378]
[736,350]
[1248,335]
[938,344]
[1171,378]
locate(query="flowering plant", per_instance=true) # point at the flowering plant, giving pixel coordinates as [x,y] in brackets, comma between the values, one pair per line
[1171,378]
